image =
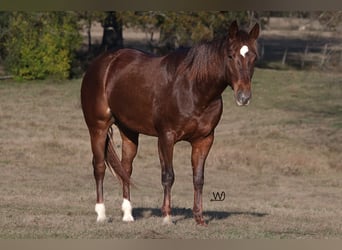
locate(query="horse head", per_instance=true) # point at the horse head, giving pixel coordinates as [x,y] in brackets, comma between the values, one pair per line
[241,54]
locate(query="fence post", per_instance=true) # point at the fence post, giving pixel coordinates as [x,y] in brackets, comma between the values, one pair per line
[305,56]
[324,54]
[262,53]
[283,61]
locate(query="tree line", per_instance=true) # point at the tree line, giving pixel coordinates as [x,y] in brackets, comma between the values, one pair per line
[38,45]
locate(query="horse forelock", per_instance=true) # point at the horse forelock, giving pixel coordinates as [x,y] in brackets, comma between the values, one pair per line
[242,45]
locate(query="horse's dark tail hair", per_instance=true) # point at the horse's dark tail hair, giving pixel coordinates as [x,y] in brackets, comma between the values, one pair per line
[113,162]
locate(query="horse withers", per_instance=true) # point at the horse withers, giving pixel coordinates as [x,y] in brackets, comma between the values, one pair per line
[173,97]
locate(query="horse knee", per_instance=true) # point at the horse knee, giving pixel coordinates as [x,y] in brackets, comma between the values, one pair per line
[99,168]
[168,178]
[198,182]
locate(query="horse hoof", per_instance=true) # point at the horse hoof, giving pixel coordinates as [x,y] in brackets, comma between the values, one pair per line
[127,218]
[167,220]
[101,219]
[200,221]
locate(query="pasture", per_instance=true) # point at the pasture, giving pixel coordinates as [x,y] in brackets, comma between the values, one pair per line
[278,162]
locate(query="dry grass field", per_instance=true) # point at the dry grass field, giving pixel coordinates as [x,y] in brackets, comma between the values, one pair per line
[278,161]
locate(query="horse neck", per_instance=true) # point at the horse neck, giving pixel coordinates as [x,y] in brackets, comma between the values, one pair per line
[209,90]
[207,71]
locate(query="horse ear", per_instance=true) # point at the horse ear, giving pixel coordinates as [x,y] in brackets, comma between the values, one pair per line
[233,29]
[254,33]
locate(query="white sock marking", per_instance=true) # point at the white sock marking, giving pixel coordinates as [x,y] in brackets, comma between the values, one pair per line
[244,49]
[126,208]
[167,220]
[101,212]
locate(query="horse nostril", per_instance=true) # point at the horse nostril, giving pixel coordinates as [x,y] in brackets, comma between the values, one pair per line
[243,97]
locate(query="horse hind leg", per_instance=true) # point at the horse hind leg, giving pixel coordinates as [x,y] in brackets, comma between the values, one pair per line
[129,151]
[98,142]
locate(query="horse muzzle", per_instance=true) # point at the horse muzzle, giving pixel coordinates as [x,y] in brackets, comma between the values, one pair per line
[243,98]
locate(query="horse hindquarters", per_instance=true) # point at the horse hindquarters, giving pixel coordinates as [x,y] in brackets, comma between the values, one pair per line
[99,119]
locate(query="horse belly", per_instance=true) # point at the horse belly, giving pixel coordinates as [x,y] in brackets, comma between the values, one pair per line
[135,121]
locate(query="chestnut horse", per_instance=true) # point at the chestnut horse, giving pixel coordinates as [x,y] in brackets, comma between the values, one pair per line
[173,97]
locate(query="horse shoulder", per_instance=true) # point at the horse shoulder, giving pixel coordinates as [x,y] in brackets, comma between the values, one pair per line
[209,118]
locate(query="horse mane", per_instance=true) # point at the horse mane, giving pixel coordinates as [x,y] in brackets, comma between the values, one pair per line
[205,60]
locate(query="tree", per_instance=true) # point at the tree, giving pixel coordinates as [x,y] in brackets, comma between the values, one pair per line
[112,32]
[4,21]
[183,28]
[330,19]
[86,19]
[41,44]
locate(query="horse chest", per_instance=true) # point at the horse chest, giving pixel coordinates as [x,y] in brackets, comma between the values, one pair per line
[200,124]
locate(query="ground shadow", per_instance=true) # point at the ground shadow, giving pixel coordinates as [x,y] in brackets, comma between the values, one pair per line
[186,213]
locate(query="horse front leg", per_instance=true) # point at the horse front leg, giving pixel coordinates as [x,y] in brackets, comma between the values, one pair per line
[165,149]
[200,150]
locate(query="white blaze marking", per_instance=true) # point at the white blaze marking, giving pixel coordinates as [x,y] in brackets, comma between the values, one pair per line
[127,210]
[244,49]
[101,212]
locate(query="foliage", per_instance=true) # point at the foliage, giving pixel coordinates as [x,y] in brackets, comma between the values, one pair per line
[4,18]
[86,19]
[41,44]
[182,28]
[36,45]
[330,19]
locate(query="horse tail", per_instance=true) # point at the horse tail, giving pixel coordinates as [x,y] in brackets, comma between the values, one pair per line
[112,160]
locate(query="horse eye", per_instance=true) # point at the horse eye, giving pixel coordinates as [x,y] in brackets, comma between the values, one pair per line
[230,57]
